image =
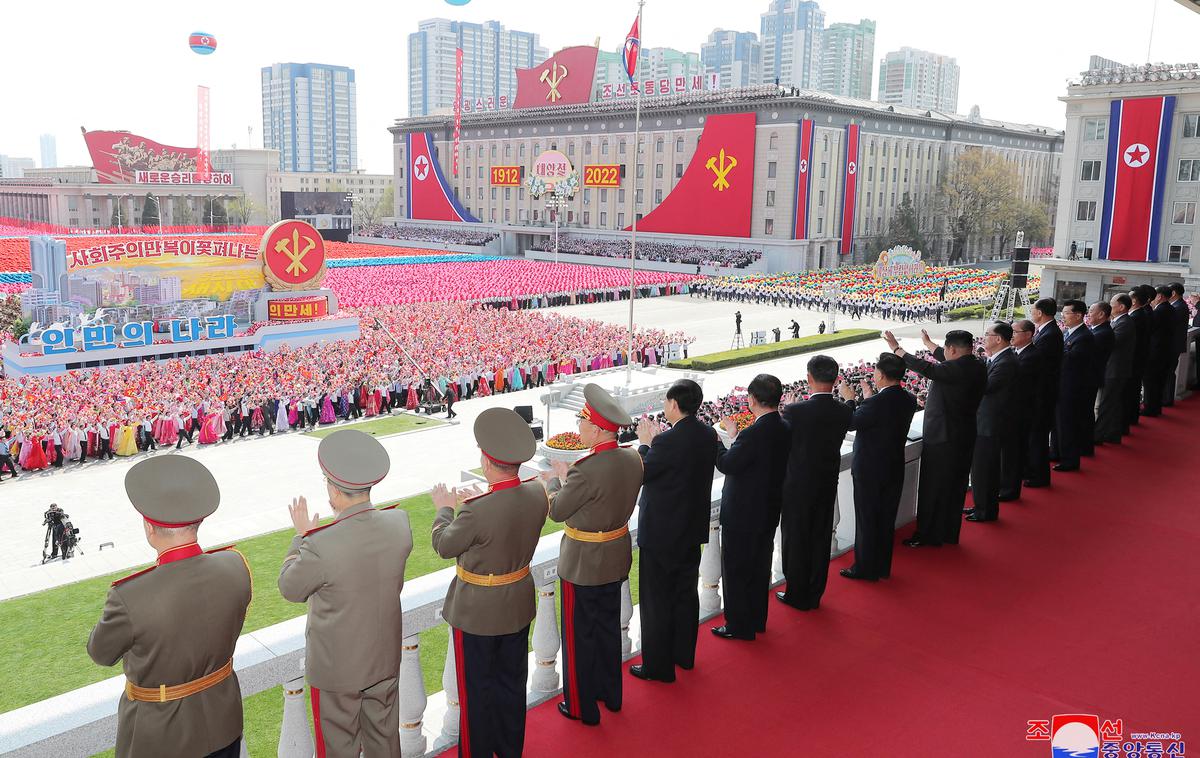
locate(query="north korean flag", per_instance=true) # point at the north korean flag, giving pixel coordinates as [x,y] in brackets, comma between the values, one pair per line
[633,44]
[849,189]
[803,180]
[1139,136]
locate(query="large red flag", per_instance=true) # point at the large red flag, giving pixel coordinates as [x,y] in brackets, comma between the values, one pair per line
[633,45]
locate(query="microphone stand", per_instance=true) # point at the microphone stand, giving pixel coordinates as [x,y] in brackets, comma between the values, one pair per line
[379,328]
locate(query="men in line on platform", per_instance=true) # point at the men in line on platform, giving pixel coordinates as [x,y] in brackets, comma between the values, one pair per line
[350,573]
[673,517]
[751,499]
[1048,341]
[1075,379]
[490,603]
[595,497]
[995,422]
[959,380]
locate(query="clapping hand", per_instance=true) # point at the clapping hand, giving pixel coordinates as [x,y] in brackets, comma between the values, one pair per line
[647,430]
[462,494]
[300,518]
[867,389]
[929,344]
[845,390]
[443,496]
[730,426]
[560,469]
[787,399]
[891,340]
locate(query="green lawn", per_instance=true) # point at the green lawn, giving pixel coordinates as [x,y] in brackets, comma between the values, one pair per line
[45,634]
[381,427]
[772,350]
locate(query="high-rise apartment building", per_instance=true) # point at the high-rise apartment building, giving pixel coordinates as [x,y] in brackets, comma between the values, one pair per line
[848,59]
[736,58]
[653,63]
[49,151]
[491,57]
[790,32]
[309,116]
[919,79]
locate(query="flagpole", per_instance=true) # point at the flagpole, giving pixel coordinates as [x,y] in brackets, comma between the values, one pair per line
[637,126]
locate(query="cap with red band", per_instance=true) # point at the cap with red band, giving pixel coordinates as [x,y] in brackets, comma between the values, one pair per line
[601,409]
[353,460]
[172,491]
[504,437]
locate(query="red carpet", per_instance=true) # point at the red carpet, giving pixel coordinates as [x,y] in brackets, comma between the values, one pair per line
[1082,599]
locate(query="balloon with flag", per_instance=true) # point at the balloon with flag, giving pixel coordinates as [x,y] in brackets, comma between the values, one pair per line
[202,43]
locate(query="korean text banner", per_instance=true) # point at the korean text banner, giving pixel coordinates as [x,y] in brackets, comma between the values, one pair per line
[118,156]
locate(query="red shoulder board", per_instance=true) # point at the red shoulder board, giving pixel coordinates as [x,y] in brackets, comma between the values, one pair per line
[219,549]
[388,507]
[530,479]
[581,460]
[314,530]
[134,575]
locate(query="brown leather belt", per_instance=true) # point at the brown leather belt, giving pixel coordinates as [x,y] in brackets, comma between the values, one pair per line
[163,693]
[581,536]
[491,580]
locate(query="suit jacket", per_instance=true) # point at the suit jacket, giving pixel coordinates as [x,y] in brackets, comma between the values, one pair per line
[350,572]
[598,495]
[1179,333]
[954,395]
[996,412]
[1162,349]
[880,424]
[493,533]
[754,467]
[172,624]
[1049,343]
[1143,326]
[817,428]
[1120,360]
[1026,383]
[676,503]
[1103,339]
[1076,376]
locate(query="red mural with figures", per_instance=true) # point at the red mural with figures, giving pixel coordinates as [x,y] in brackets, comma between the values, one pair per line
[714,195]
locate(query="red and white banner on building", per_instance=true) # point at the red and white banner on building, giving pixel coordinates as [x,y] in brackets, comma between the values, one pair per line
[182,177]
[849,189]
[1139,136]
[157,249]
[803,179]
[677,85]
[458,63]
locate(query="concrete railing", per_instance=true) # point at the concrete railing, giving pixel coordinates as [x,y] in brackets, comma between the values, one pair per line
[83,722]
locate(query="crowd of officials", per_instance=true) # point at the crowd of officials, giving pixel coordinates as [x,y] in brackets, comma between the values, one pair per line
[1042,394]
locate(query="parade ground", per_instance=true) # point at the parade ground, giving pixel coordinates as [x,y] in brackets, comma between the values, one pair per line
[259,476]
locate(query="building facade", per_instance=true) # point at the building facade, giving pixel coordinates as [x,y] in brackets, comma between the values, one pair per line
[310,116]
[49,148]
[491,56]
[903,154]
[848,59]
[14,168]
[790,32]
[919,79]
[1092,154]
[736,58]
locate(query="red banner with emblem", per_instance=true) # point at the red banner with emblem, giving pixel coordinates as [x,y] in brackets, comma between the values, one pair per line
[714,195]
[803,179]
[429,195]
[565,78]
[850,189]
[117,156]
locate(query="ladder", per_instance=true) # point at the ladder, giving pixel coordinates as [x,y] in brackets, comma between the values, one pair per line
[1007,300]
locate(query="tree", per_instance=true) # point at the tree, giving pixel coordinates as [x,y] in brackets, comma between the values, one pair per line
[241,209]
[213,212]
[10,313]
[905,226]
[973,192]
[183,212]
[150,211]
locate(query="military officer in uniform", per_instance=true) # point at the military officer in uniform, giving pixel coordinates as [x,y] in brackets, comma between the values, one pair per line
[175,624]
[491,602]
[595,496]
[350,572]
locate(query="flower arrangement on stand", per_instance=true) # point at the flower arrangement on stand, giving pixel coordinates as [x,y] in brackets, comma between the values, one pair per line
[566,447]
[566,441]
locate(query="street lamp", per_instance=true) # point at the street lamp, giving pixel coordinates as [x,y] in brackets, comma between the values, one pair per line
[158,205]
[556,202]
[352,199]
[119,199]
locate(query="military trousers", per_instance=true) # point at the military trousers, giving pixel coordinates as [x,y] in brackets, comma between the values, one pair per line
[491,672]
[591,620]
[347,722]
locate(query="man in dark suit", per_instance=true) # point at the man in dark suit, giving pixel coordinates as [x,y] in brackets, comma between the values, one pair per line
[994,422]
[1140,317]
[1076,377]
[1048,339]
[818,428]
[1179,330]
[1161,353]
[1013,453]
[673,517]
[947,433]
[1103,338]
[880,423]
[1111,410]
[754,467]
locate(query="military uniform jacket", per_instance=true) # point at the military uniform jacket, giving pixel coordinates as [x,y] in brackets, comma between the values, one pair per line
[172,624]
[351,572]
[598,496]
[494,533]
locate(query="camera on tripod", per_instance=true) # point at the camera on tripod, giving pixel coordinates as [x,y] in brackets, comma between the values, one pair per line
[62,537]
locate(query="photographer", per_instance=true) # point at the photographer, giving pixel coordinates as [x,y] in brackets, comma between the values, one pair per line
[55,522]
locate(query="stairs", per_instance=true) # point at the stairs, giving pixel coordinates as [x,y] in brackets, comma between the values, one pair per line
[573,400]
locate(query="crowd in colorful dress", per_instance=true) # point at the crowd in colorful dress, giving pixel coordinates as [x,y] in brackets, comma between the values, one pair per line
[653,250]
[462,236]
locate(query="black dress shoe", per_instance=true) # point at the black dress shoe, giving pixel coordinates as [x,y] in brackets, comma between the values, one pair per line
[562,708]
[1031,484]
[782,597]
[612,709]
[976,517]
[913,542]
[1008,498]
[1065,467]
[855,575]
[968,511]
[724,633]
[639,672]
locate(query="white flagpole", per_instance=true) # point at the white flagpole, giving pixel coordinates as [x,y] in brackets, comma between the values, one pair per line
[637,125]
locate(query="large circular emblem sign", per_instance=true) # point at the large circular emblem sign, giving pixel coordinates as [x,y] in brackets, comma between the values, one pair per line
[551,166]
[293,256]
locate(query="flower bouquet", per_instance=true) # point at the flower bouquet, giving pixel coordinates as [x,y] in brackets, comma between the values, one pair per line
[566,441]
[565,447]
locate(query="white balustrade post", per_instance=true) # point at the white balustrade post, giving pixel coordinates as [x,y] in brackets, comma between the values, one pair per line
[837,519]
[777,561]
[710,571]
[545,642]
[626,617]
[450,687]
[295,739]
[412,699]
